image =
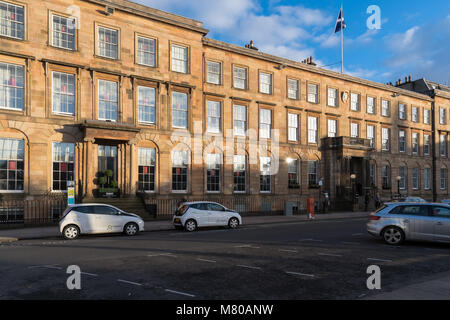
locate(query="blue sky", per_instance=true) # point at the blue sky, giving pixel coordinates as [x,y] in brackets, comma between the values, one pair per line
[414,37]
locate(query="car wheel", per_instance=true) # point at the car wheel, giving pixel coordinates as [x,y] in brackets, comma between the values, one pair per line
[233,223]
[131,229]
[190,225]
[393,235]
[71,232]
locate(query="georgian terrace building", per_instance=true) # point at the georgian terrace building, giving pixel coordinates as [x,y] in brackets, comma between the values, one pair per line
[89,86]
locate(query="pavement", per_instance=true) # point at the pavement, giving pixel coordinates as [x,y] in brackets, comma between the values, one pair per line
[11,235]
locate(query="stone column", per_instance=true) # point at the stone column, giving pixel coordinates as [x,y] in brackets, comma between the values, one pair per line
[90,166]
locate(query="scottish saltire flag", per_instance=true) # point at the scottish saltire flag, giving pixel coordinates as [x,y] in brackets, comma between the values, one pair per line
[340,23]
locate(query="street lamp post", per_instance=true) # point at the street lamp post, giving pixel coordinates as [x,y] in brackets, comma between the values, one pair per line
[353,178]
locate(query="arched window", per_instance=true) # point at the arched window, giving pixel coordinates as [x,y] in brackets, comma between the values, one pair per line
[180,165]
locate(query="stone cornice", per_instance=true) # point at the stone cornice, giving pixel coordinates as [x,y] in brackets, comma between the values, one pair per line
[305,67]
[154,14]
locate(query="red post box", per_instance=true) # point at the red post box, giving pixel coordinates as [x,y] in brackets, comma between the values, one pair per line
[310,207]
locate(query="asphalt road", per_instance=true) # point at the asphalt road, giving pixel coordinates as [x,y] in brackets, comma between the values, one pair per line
[304,260]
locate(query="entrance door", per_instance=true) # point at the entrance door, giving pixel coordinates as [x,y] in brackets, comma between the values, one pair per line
[107,160]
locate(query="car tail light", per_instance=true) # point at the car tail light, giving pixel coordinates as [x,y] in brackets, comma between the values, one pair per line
[375,217]
[181,210]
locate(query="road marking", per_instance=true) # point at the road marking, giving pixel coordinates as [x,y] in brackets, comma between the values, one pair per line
[129,282]
[182,293]
[300,274]
[163,255]
[249,267]
[381,260]
[247,246]
[90,274]
[205,260]
[52,267]
[286,250]
[330,254]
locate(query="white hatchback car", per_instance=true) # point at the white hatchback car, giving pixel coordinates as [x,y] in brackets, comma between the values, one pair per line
[192,215]
[98,218]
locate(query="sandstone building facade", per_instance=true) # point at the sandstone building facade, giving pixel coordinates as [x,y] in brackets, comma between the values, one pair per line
[124,99]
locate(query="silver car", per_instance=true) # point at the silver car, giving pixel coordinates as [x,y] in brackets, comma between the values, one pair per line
[400,221]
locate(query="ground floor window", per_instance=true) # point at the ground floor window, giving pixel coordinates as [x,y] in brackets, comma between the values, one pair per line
[239,173]
[11,165]
[293,174]
[179,170]
[265,178]
[213,172]
[63,165]
[147,164]
[312,173]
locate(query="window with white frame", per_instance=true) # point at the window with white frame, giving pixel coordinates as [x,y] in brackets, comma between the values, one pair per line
[416,178]
[385,139]
[179,170]
[63,165]
[371,135]
[332,128]
[402,172]
[313,173]
[402,111]
[426,116]
[240,78]
[146,51]
[12,86]
[415,143]
[293,89]
[332,97]
[63,32]
[385,108]
[293,127]
[415,114]
[107,100]
[265,82]
[240,120]
[313,126]
[147,105]
[386,176]
[265,177]
[179,110]
[354,128]
[402,141]
[427,178]
[12,20]
[213,72]
[180,58]
[370,105]
[293,176]
[265,124]
[443,144]
[214,116]
[442,116]
[355,99]
[146,169]
[213,162]
[12,154]
[426,144]
[239,173]
[313,93]
[443,178]
[63,93]
[108,43]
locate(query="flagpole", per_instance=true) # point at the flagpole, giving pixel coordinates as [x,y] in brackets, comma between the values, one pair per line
[342,45]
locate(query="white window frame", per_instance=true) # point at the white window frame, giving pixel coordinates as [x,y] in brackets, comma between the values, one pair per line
[313,95]
[402,141]
[114,45]
[385,108]
[265,128]
[354,130]
[142,52]
[355,101]
[265,82]
[313,129]
[110,101]
[151,105]
[209,107]
[332,97]
[239,78]
[180,111]
[385,139]
[402,111]
[179,63]
[211,73]
[293,127]
[371,105]
[293,87]
[236,119]
[371,135]
[332,128]
[13,21]
[5,88]
[54,91]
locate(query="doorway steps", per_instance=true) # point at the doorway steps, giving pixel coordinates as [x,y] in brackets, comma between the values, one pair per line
[129,204]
